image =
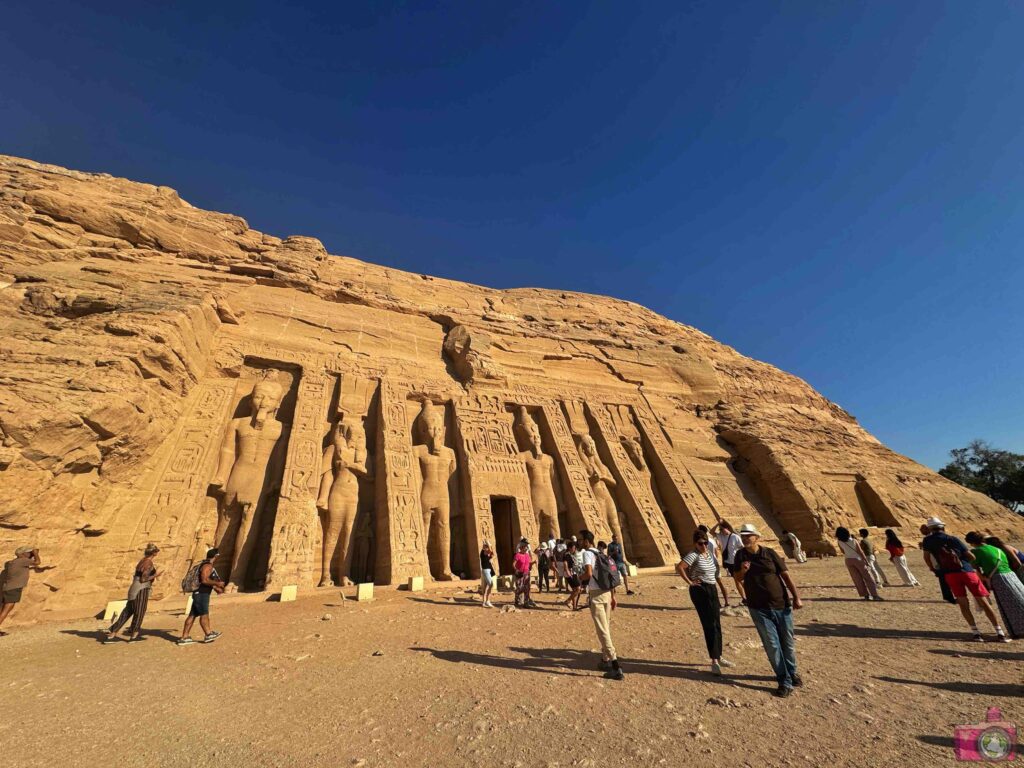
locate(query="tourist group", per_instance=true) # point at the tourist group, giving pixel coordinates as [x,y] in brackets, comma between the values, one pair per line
[977,567]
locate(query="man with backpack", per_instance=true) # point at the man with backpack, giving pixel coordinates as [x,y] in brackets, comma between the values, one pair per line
[601,575]
[616,553]
[949,557]
[201,580]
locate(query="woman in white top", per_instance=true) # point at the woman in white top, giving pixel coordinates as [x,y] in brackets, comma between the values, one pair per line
[857,565]
[699,569]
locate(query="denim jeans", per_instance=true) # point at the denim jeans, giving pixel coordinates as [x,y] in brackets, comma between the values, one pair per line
[776,630]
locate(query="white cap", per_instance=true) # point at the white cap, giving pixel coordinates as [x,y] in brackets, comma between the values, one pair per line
[934,522]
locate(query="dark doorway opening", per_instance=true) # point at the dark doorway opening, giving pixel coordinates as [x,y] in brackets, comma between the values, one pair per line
[506,531]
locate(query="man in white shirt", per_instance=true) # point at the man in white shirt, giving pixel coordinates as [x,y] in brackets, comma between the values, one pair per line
[730,543]
[602,603]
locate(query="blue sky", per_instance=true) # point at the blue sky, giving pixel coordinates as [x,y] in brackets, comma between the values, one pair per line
[836,188]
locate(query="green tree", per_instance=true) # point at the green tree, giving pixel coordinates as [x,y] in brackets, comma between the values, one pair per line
[996,473]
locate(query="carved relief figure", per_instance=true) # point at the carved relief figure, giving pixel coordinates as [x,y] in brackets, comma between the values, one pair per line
[541,469]
[249,456]
[437,465]
[344,462]
[601,481]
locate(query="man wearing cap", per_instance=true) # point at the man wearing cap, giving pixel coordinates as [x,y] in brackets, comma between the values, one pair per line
[949,557]
[15,578]
[768,586]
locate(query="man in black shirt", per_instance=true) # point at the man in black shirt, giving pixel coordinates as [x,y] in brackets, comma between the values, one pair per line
[766,581]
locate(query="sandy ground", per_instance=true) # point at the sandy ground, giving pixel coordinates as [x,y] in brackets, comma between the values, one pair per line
[433,679]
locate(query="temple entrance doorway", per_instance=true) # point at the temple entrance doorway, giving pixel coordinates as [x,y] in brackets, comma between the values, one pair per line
[506,531]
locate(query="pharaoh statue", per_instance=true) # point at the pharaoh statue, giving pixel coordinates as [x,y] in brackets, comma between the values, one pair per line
[344,462]
[541,470]
[249,456]
[437,465]
[601,481]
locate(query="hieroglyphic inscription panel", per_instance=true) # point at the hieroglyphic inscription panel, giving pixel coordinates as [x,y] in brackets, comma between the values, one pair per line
[576,485]
[399,522]
[295,525]
[635,487]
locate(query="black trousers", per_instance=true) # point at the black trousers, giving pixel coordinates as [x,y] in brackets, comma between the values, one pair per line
[705,600]
[543,580]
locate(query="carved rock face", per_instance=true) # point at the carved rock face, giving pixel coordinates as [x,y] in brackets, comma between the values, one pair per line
[129,316]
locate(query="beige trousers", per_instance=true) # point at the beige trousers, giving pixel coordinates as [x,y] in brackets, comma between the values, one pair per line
[601,613]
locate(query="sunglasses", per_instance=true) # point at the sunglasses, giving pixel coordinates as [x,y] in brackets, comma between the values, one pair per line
[701,543]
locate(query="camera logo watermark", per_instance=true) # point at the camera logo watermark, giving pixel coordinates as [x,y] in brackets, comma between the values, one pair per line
[993,741]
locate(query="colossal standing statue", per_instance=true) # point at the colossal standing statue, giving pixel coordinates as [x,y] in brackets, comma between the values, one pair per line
[437,465]
[249,457]
[601,481]
[541,469]
[344,462]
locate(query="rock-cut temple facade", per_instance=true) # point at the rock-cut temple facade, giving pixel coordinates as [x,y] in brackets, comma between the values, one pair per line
[169,375]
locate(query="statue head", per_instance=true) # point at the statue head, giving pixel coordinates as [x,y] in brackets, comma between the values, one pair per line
[266,398]
[528,430]
[430,425]
[587,445]
[634,450]
[342,434]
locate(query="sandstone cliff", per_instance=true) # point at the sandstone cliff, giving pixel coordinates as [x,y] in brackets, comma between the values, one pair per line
[410,417]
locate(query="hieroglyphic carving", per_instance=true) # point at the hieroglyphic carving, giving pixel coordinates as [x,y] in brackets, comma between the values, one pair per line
[292,554]
[399,523]
[681,481]
[174,505]
[577,486]
[635,488]
[488,448]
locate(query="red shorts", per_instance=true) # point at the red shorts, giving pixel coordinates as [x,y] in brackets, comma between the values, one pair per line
[961,583]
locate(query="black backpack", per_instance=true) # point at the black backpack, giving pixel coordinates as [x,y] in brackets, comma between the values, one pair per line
[606,572]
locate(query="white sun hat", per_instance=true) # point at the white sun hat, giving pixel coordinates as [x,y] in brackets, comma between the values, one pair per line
[934,522]
[749,530]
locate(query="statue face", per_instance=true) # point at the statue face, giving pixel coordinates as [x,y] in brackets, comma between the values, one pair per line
[533,434]
[588,445]
[342,434]
[266,397]
[435,434]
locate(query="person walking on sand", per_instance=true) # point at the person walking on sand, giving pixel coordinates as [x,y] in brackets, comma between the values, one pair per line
[138,597]
[768,588]
[601,581]
[857,565]
[729,544]
[894,547]
[950,556]
[207,582]
[14,579]
[487,574]
[795,545]
[543,568]
[713,551]
[947,595]
[618,554]
[699,570]
[995,571]
[868,549]
[573,569]
[558,558]
[522,564]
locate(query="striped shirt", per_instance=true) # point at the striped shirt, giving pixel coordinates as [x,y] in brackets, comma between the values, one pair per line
[701,567]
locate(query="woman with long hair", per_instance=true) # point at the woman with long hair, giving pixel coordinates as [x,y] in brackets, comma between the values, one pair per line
[857,565]
[486,574]
[894,547]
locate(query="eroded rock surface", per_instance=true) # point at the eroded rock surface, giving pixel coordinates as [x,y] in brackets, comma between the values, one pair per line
[136,329]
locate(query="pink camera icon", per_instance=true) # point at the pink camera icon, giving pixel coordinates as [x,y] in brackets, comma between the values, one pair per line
[993,741]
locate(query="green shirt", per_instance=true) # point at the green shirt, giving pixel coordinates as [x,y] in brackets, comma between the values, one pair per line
[989,560]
